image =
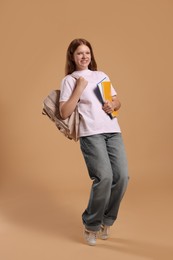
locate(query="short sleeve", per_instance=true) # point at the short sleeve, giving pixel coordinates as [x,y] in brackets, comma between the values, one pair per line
[113,91]
[66,87]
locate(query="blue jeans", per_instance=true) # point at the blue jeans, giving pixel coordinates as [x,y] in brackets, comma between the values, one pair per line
[105,158]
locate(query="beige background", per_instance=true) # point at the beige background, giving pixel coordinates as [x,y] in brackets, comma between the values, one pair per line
[44,185]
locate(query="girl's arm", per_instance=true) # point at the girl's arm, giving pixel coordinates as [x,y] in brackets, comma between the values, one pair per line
[116,103]
[67,107]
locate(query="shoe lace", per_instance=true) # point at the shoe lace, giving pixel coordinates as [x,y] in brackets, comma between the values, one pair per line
[92,235]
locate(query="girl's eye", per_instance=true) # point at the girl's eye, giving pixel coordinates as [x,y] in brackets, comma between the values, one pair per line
[80,53]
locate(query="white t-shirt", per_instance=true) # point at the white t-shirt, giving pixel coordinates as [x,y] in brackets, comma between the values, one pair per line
[93,119]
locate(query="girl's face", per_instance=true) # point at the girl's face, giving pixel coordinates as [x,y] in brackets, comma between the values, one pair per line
[82,57]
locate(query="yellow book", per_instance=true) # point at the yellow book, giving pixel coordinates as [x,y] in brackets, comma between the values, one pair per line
[105,91]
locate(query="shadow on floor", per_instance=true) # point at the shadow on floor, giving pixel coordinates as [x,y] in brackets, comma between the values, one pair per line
[139,248]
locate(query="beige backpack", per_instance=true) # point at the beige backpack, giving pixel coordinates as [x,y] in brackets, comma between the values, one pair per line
[70,126]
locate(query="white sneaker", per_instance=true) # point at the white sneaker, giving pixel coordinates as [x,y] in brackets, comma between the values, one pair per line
[104,232]
[90,237]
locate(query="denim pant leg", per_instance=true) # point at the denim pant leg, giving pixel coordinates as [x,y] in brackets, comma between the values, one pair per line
[117,155]
[100,171]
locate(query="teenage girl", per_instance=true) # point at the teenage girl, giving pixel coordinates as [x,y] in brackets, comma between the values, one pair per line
[100,138]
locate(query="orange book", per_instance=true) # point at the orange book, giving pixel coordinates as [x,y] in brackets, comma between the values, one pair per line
[105,91]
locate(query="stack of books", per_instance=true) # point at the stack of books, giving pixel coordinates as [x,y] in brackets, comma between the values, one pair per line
[105,91]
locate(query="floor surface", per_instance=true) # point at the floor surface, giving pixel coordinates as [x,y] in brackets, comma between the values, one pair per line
[40,224]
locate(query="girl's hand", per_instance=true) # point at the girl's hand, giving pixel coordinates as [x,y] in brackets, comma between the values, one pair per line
[110,106]
[81,83]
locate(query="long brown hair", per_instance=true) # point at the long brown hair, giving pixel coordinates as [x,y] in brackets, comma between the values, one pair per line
[70,64]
